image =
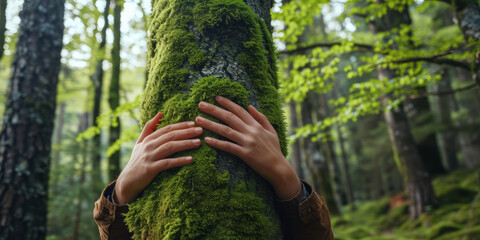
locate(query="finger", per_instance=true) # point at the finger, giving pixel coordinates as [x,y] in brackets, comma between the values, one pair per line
[262,119]
[172,147]
[175,135]
[235,109]
[150,127]
[171,127]
[220,129]
[226,116]
[226,146]
[168,163]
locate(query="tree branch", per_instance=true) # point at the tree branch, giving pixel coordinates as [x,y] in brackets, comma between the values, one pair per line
[422,95]
[328,44]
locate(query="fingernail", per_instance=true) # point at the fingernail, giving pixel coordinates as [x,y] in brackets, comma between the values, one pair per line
[208,139]
[189,158]
[202,104]
[191,124]
[198,129]
[196,141]
[218,97]
[199,119]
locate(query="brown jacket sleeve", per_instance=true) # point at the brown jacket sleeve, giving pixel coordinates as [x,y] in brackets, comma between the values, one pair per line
[109,217]
[300,220]
[308,219]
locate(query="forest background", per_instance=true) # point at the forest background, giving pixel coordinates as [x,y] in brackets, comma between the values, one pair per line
[381,100]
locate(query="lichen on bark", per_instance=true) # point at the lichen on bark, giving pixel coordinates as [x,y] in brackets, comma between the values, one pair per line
[197,50]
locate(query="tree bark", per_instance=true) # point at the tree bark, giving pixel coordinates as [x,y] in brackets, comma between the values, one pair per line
[197,50]
[25,138]
[97,80]
[3,24]
[114,92]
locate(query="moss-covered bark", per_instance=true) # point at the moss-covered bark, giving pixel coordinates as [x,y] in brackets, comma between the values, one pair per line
[197,50]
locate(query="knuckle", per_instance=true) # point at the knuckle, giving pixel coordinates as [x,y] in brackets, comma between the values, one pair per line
[171,135]
[229,115]
[226,131]
[167,146]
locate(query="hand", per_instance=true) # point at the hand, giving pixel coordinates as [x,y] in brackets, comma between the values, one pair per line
[149,156]
[255,141]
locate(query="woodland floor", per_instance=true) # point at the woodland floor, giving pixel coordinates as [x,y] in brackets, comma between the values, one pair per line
[458,216]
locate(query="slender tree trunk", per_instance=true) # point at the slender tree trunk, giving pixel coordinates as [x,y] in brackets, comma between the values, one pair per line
[317,161]
[295,155]
[97,80]
[197,50]
[3,23]
[347,180]
[82,126]
[447,136]
[25,138]
[114,92]
[58,142]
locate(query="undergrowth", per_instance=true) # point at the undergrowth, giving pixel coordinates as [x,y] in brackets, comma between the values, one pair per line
[458,216]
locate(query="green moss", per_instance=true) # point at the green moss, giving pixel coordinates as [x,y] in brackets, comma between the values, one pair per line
[201,200]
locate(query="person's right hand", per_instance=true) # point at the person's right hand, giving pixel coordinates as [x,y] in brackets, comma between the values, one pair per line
[149,156]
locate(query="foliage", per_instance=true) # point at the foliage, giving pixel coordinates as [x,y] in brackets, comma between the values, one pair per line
[409,50]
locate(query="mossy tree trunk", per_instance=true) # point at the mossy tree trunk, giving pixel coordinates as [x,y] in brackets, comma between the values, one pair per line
[3,24]
[417,179]
[199,49]
[97,82]
[114,91]
[25,138]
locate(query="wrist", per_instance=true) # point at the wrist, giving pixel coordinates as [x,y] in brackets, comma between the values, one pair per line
[118,196]
[287,183]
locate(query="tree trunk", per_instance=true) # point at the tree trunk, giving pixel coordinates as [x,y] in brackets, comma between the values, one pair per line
[25,138]
[197,50]
[82,126]
[3,23]
[114,92]
[409,161]
[295,155]
[97,80]
[419,114]
[447,136]
[318,161]
[58,143]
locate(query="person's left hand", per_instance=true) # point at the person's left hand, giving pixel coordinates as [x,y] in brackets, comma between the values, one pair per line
[255,141]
